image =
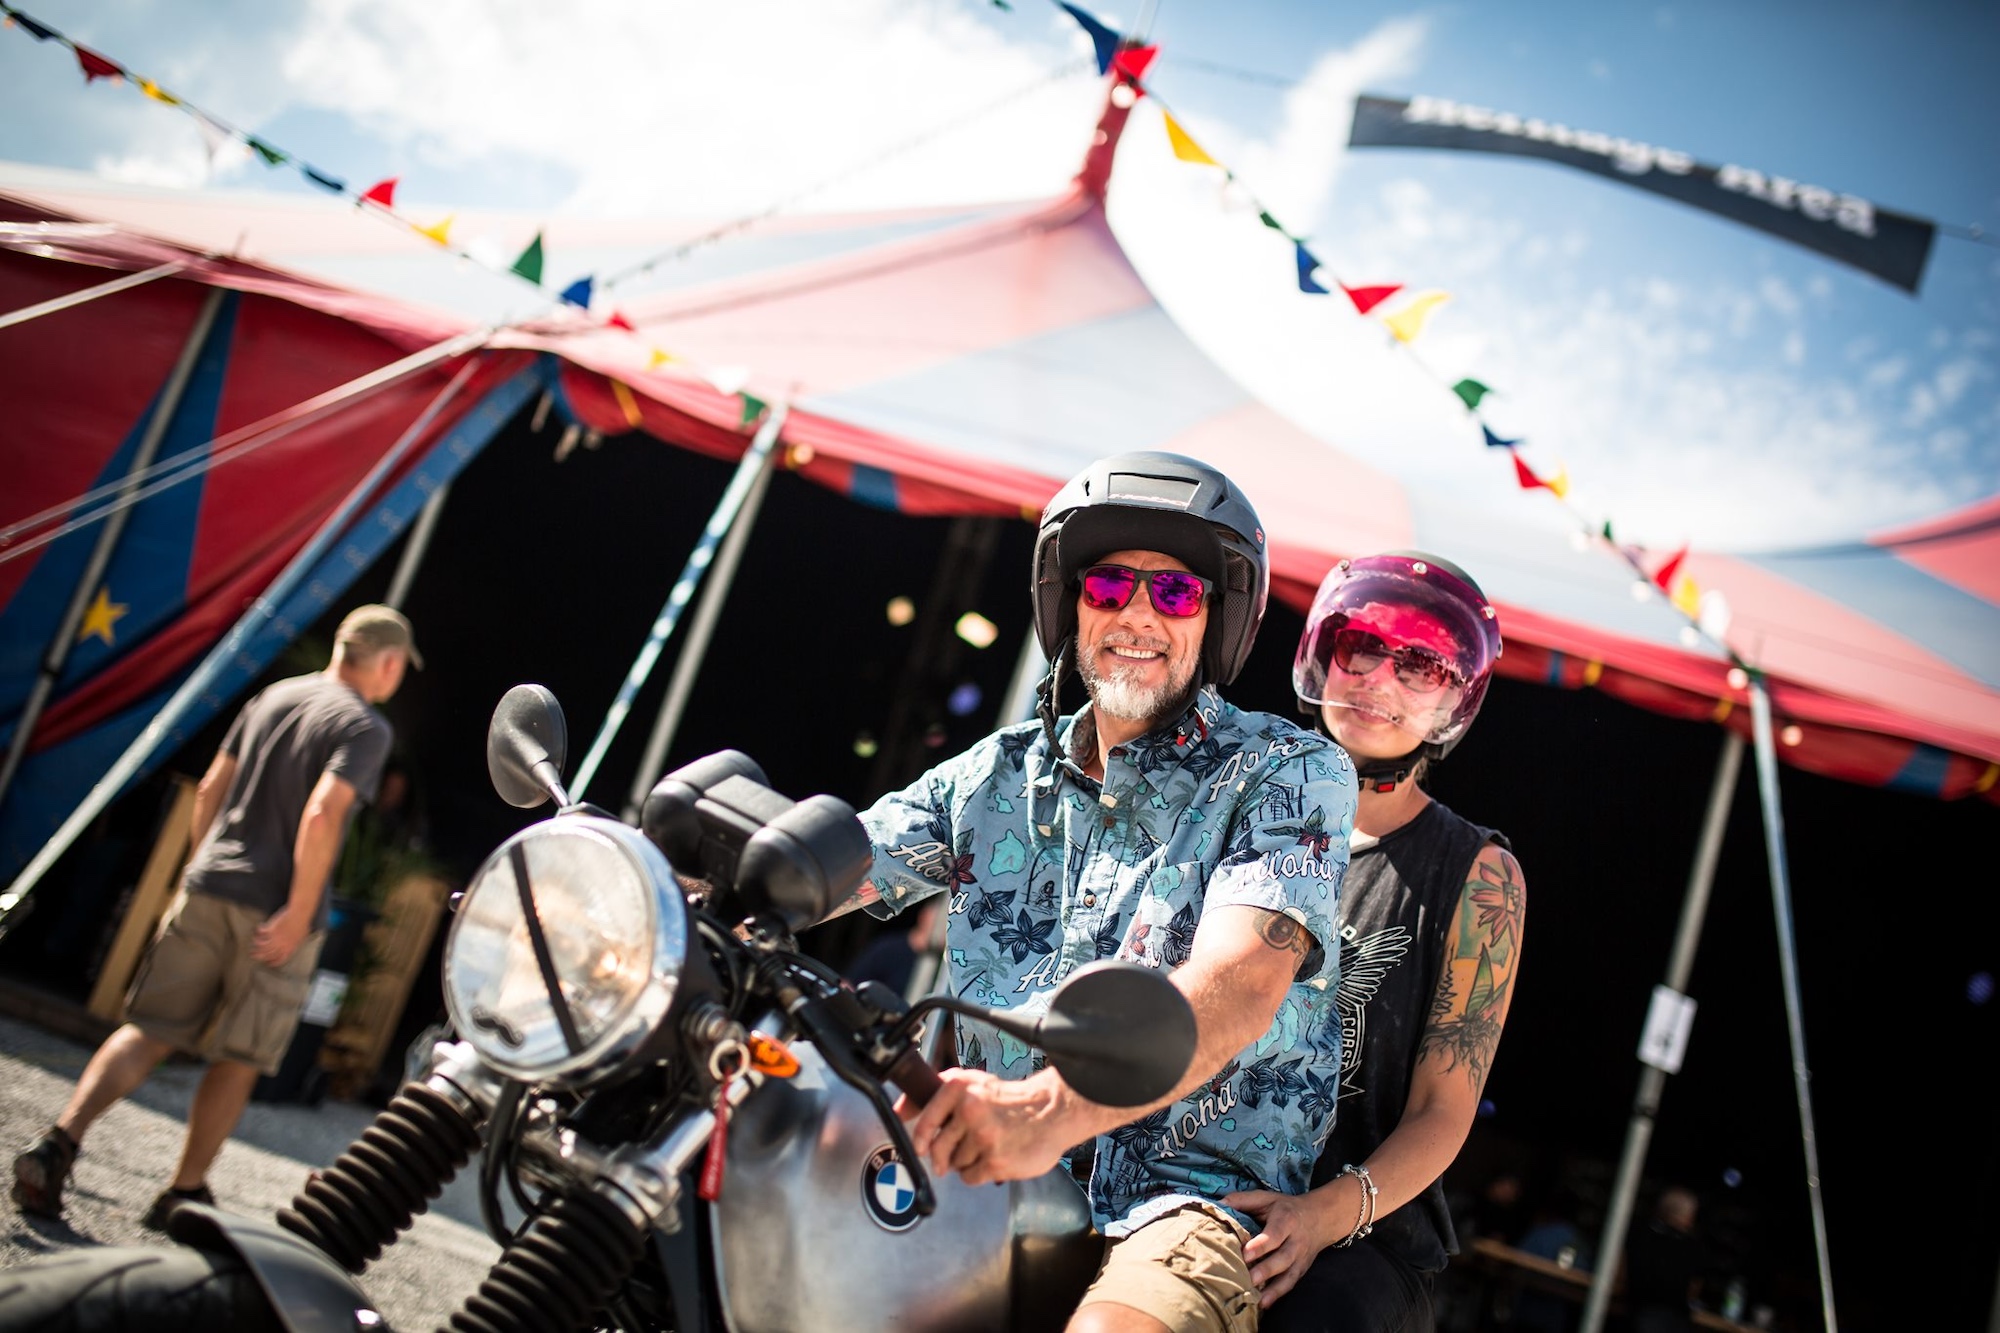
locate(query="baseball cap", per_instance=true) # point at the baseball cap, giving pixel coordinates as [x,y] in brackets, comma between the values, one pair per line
[375,627]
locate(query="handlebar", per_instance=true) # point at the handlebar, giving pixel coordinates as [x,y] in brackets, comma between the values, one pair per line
[915,1076]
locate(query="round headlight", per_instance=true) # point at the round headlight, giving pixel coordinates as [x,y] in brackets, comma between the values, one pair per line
[567,950]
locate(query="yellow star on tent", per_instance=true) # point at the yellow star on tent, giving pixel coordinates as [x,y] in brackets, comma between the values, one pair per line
[101,617]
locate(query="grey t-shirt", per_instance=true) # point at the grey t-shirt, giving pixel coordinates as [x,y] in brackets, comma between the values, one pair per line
[282,741]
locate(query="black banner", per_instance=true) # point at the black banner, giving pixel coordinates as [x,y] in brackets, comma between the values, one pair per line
[1892,246]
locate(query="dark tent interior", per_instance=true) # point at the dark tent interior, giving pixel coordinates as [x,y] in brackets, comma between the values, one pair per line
[552,570]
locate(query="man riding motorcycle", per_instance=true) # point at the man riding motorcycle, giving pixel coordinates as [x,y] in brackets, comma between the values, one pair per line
[1158,825]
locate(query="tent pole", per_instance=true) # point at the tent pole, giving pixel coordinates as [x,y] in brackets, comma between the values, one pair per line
[88,294]
[1029,668]
[57,655]
[726,511]
[1788,963]
[1653,1079]
[714,592]
[107,787]
[416,546]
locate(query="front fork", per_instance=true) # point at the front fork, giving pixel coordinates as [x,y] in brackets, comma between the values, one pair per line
[569,1261]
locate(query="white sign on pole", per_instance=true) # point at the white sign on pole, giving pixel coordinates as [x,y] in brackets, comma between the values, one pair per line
[323,1000]
[1669,1019]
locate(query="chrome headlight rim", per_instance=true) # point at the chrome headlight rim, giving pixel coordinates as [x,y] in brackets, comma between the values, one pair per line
[640,1012]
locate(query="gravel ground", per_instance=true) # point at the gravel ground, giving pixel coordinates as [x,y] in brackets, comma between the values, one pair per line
[129,1154]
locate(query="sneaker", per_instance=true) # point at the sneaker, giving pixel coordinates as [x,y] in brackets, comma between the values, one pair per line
[163,1208]
[41,1172]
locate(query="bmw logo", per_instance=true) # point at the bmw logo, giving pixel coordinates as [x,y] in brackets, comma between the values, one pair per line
[888,1190]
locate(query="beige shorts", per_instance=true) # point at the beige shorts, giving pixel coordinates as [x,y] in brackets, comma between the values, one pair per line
[1185,1269]
[199,990]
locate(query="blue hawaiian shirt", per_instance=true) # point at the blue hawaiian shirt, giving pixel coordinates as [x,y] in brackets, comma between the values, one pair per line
[1049,870]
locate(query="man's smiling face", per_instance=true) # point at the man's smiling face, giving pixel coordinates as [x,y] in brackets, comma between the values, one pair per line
[1135,661]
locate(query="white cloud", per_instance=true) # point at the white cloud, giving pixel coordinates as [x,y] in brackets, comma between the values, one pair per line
[635,102]
[168,170]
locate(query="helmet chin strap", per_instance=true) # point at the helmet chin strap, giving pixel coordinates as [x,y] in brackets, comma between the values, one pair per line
[1385,775]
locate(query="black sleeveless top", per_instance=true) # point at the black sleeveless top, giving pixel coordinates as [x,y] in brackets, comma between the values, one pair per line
[1397,906]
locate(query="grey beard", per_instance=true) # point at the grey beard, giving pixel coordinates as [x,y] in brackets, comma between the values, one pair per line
[1115,695]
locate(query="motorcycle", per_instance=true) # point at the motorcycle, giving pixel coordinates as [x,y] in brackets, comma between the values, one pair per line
[690,1117]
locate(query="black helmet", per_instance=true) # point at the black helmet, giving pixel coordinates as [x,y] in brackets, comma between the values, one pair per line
[1415,581]
[1156,502]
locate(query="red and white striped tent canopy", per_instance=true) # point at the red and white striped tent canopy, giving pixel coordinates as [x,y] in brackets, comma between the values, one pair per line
[967,360]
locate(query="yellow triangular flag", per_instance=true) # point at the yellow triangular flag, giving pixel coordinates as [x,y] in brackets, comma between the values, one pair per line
[1408,322]
[157,93]
[1185,148]
[1559,483]
[1687,596]
[439,231]
[657,360]
[627,404]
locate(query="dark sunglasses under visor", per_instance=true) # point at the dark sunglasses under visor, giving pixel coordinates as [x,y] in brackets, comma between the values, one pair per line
[1419,670]
[1176,593]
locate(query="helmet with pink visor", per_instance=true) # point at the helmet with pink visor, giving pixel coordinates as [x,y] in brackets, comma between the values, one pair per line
[1406,638]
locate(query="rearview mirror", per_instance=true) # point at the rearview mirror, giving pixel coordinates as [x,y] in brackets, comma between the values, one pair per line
[526,744]
[1119,1033]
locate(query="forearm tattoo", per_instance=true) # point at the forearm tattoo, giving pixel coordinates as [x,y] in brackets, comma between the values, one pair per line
[1470,1004]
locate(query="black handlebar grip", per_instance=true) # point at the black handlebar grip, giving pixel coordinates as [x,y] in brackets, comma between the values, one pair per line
[915,1077]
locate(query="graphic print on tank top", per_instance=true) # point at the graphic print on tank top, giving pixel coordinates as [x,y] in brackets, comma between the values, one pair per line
[1365,963]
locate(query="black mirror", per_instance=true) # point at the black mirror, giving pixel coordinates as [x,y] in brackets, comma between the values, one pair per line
[526,744]
[1119,1033]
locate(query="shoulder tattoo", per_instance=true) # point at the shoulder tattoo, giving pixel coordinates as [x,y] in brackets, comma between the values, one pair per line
[1281,932]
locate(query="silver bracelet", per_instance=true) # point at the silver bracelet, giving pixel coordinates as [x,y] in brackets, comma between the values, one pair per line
[1364,1218]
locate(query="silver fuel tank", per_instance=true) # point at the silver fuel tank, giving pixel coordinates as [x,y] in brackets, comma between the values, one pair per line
[817,1228]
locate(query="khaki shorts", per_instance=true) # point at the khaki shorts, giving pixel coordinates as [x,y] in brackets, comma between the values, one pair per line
[1185,1269]
[199,990]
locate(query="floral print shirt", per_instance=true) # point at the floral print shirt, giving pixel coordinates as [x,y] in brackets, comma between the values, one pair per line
[1049,870]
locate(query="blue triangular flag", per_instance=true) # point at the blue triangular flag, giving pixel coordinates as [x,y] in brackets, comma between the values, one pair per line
[1306,266]
[324,181]
[578,293]
[1101,37]
[1494,441]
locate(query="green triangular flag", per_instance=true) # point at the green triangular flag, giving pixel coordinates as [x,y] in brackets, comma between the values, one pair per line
[1273,224]
[753,407]
[1607,533]
[529,265]
[272,157]
[1471,391]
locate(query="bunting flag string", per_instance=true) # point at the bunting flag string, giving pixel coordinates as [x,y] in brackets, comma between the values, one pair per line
[218,134]
[1706,612]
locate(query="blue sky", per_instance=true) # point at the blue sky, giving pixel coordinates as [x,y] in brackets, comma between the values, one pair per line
[1696,379]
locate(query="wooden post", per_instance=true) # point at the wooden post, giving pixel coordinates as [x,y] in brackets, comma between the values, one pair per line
[393,949]
[149,903]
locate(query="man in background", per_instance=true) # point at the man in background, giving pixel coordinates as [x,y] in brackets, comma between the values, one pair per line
[228,972]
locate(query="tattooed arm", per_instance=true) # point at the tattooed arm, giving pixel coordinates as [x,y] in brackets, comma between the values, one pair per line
[1454,1054]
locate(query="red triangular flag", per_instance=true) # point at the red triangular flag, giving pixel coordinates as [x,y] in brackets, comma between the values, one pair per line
[618,321]
[1367,298]
[381,192]
[1664,576]
[1529,481]
[96,66]
[1131,61]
